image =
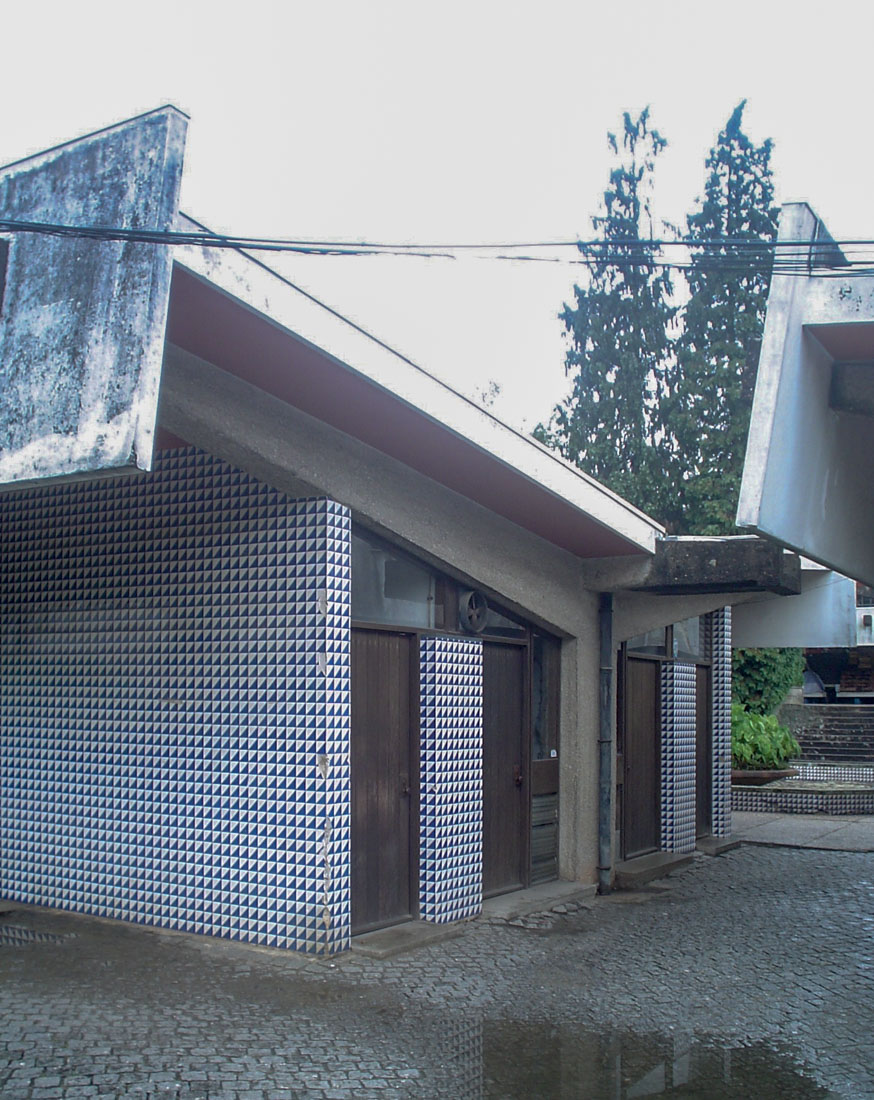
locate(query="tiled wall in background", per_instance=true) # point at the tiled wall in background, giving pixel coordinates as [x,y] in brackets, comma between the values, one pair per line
[174,702]
[450,861]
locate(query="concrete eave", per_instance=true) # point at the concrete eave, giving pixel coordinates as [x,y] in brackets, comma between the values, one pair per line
[736,563]
[690,566]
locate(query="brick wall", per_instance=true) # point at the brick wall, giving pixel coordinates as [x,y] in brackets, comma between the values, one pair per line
[833,732]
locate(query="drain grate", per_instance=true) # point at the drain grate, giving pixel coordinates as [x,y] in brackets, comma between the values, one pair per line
[14,935]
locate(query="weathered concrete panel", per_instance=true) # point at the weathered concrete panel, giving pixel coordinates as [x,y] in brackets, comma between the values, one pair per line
[824,614]
[807,472]
[82,321]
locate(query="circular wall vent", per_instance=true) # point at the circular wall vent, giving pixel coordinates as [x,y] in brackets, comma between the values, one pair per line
[473,610]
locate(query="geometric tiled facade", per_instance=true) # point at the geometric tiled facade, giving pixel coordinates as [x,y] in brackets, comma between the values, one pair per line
[450,863]
[678,735]
[174,703]
[678,824]
[719,651]
[853,800]
[834,773]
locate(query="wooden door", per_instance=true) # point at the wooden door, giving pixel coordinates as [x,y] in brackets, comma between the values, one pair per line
[641,790]
[505,768]
[383,785]
[703,754]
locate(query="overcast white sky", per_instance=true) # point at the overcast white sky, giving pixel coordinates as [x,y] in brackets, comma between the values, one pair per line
[398,120]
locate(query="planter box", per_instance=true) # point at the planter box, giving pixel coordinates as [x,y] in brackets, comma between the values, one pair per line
[804,800]
[747,778]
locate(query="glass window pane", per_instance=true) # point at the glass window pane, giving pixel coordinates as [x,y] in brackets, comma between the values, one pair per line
[687,638]
[389,588]
[499,624]
[651,642]
[545,665]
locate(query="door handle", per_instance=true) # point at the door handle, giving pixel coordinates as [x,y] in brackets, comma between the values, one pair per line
[517,775]
[405,785]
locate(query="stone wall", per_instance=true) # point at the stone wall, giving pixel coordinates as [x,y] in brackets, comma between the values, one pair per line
[833,732]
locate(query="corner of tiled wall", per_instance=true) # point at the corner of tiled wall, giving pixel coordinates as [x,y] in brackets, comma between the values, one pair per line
[174,693]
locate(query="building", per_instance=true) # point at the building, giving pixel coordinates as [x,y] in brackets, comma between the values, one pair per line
[806,480]
[297,642]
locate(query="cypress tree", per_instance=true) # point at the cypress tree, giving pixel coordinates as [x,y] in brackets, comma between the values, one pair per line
[718,349]
[620,355]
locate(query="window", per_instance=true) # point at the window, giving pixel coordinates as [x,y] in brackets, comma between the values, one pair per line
[687,639]
[545,671]
[652,642]
[388,587]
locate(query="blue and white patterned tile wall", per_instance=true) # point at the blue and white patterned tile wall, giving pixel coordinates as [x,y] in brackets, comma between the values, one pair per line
[719,637]
[174,702]
[451,804]
[678,757]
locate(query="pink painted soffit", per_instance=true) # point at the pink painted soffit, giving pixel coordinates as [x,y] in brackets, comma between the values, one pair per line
[846,342]
[206,322]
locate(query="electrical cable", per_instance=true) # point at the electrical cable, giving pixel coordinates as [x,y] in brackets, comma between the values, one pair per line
[729,255]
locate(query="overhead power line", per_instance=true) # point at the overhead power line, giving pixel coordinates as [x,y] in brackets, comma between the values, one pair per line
[735,255]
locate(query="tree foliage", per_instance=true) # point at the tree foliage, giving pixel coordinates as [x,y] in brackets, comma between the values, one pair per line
[620,354]
[760,678]
[718,349]
[661,394]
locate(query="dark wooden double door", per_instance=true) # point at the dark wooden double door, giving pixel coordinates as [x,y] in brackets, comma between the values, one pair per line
[640,756]
[385,774]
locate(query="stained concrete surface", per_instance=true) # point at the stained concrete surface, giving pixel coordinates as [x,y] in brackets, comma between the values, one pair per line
[748,974]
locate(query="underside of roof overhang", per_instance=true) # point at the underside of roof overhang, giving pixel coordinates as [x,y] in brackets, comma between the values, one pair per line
[224,330]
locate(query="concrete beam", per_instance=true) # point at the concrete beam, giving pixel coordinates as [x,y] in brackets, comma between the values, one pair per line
[698,565]
[738,564]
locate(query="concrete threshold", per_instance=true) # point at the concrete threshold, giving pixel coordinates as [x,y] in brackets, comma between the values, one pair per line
[385,942]
[631,873]
[537,899]
[716,845]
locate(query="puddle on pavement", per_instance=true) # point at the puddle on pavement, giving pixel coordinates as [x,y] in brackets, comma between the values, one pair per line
[521,1060]
[16,935]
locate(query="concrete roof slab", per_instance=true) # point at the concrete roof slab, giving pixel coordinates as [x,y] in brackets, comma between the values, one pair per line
[82,320]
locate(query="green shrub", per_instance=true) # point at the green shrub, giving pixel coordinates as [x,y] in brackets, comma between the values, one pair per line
[760,678]
[758,741]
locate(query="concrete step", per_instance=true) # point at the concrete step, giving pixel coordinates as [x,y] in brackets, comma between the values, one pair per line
[716,845]
[631,873]
[538,899]
[385,942]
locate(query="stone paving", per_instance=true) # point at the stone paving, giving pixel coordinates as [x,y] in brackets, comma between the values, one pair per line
[747,974]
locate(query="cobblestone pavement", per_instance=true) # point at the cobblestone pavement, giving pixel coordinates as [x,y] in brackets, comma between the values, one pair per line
[749,974]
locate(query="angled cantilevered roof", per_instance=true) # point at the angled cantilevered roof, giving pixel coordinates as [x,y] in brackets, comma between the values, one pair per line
[231,310]
[82,321]
[807,479]
[234,312]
